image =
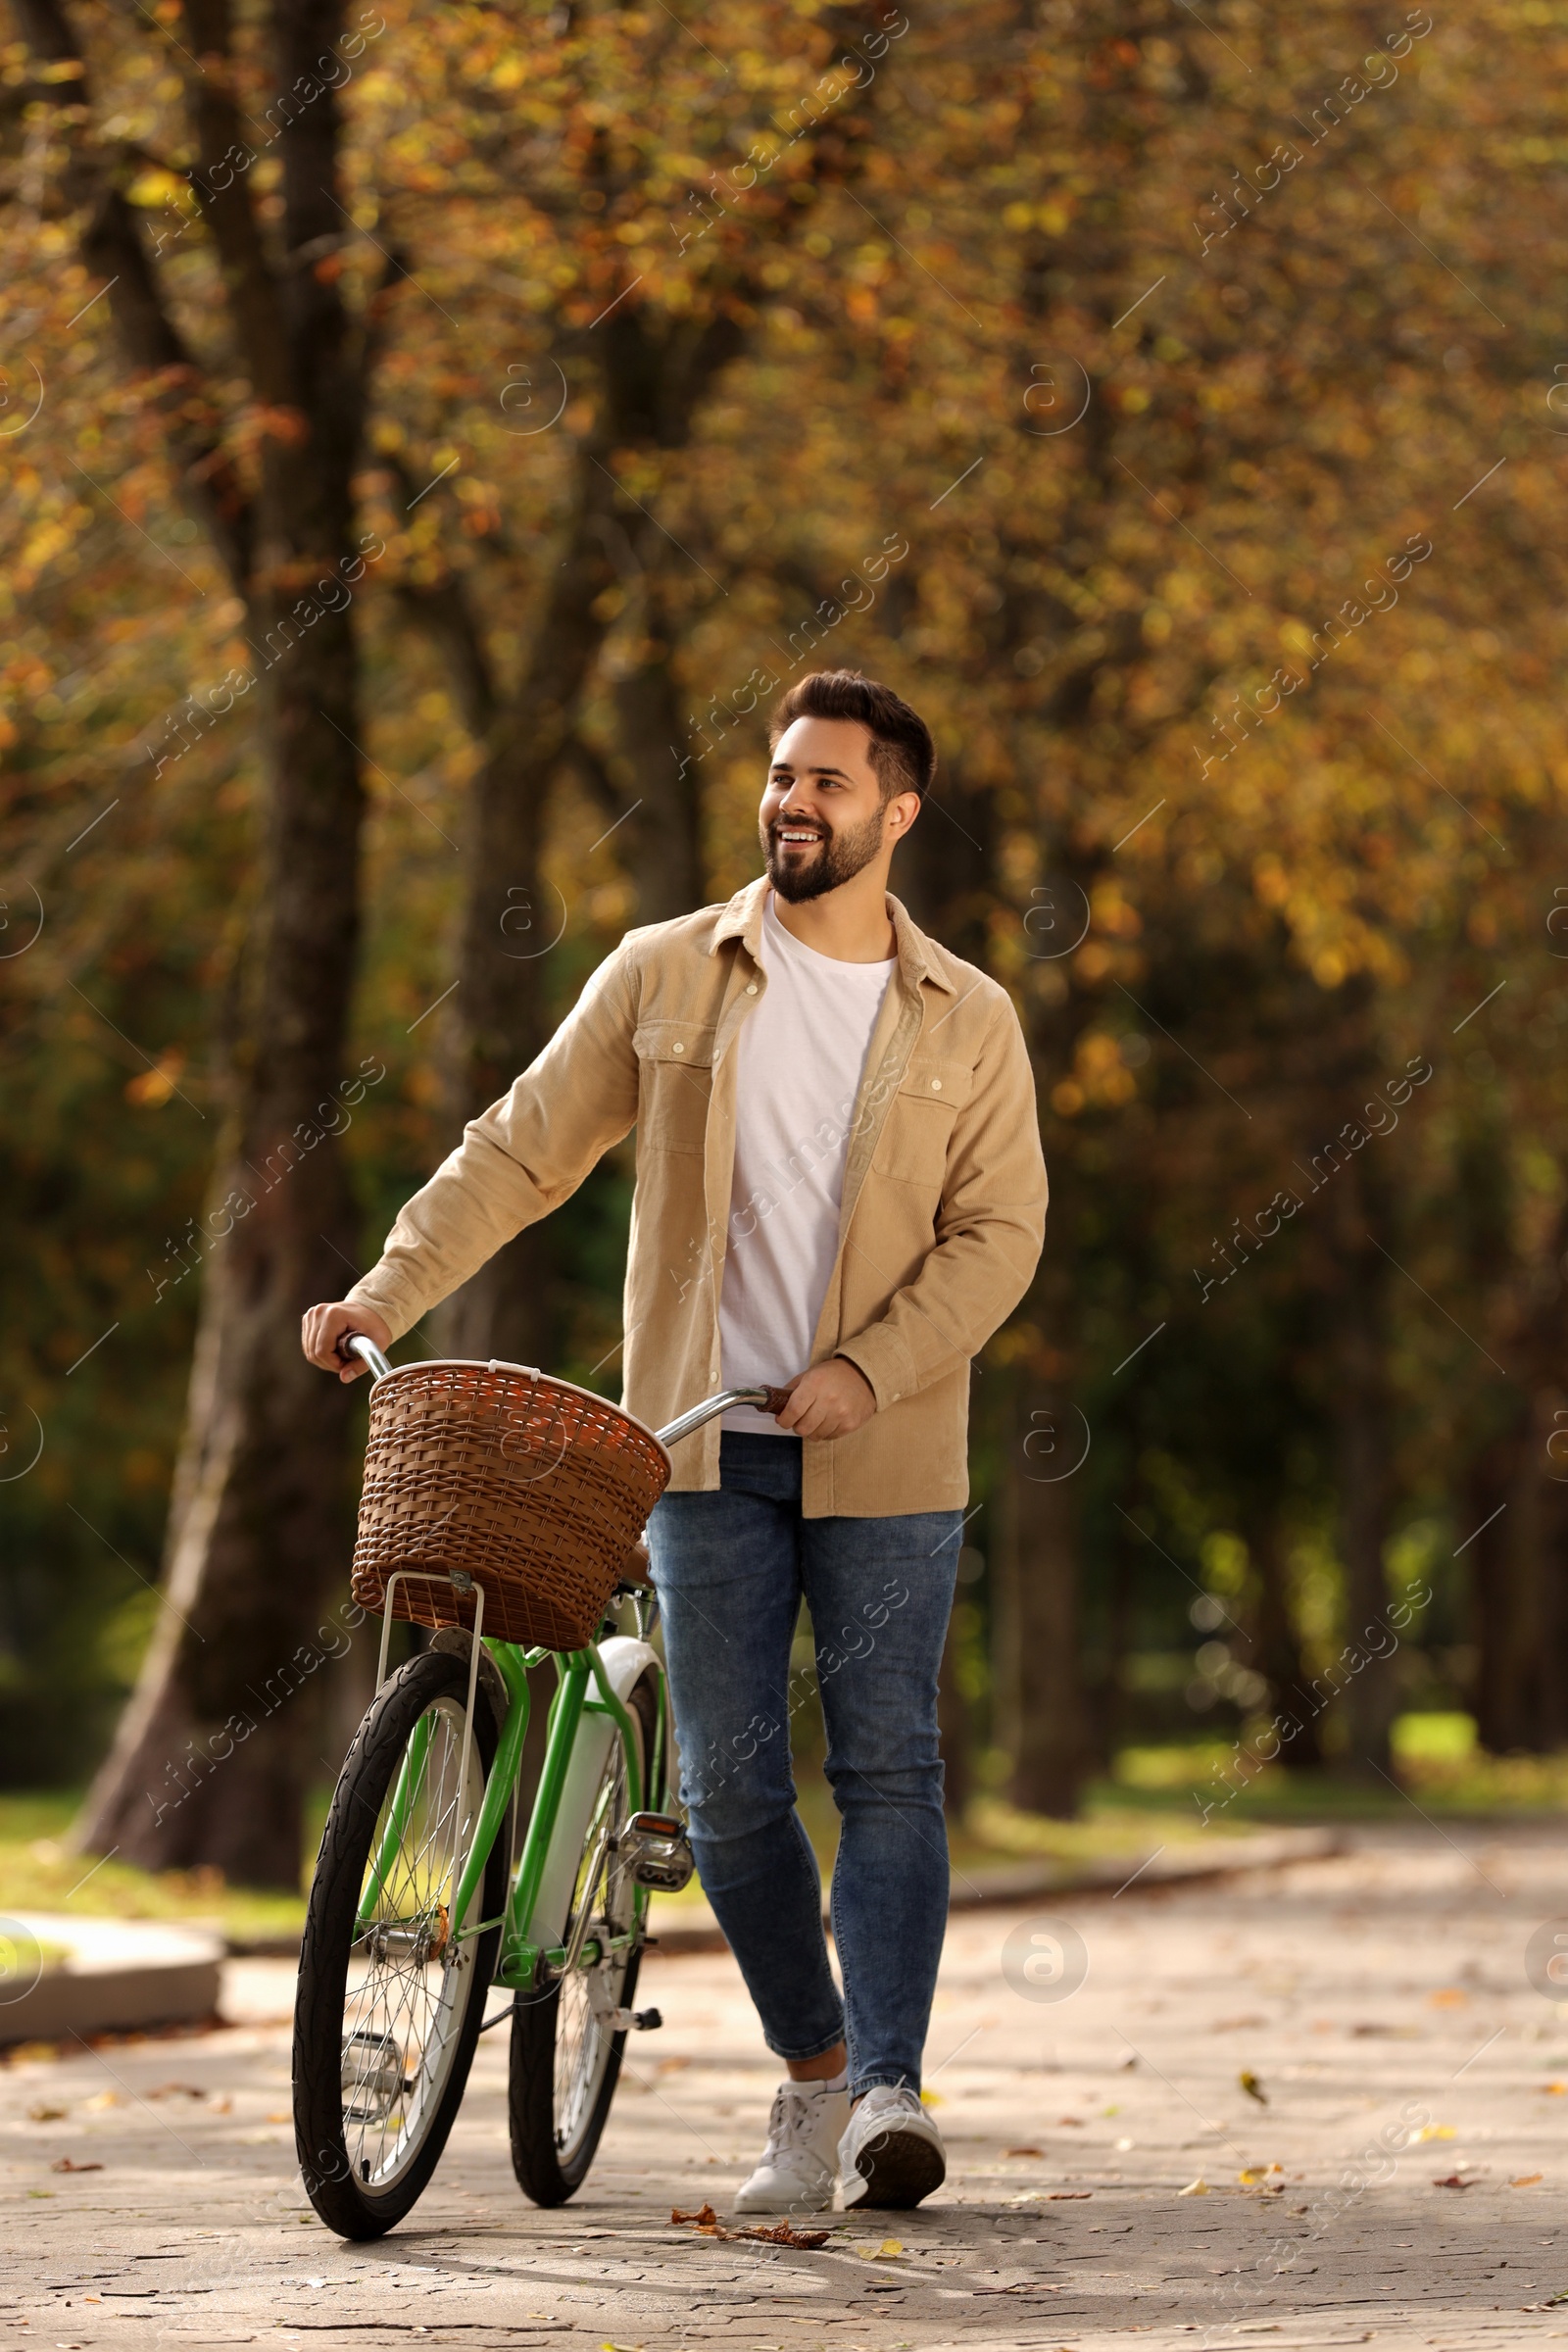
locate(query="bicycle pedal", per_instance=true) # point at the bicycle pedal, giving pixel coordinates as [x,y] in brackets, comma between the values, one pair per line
[632,2020]
[658,1851]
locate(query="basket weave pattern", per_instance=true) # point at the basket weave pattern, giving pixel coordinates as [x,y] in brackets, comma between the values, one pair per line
[536,1489]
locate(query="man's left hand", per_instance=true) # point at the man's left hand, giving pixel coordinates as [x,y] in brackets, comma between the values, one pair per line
[828,1402]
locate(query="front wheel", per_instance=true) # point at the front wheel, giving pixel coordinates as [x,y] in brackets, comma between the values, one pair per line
[565,2049]
[390,1996]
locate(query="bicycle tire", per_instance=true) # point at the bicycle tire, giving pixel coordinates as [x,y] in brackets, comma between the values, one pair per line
[329,2047]
[552,2162]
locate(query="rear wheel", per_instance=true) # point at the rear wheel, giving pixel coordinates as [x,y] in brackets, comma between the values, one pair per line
[390,2000]
[565,2054]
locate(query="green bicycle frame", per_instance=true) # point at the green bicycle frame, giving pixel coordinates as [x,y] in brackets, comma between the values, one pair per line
[577,1670]
[583,1688]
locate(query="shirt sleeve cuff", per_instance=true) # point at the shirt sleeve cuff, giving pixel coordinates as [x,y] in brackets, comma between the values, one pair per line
[881,1357]
[385,1302]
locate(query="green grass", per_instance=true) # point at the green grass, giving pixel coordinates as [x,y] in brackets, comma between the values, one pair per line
[1436,1757]
[37,1874]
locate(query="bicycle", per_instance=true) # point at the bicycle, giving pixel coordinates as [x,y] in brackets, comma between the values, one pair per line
[423,1894]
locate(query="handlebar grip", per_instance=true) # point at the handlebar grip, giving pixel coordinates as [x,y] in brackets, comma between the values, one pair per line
[777,1398]
[351,1344]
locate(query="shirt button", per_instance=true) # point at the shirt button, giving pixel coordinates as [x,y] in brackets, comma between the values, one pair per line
[751,987]
[936,1083]
[677,1047]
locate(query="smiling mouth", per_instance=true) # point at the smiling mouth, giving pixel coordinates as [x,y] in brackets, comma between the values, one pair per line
[797,835]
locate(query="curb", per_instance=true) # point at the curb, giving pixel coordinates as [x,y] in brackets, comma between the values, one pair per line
[116,1975]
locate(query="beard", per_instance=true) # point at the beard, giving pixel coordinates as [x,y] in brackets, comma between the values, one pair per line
[801,873]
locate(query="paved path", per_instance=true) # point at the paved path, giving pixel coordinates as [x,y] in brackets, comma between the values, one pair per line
[1379,2002]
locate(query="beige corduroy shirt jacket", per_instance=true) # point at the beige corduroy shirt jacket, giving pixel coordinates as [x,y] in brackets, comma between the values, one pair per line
[940,1230]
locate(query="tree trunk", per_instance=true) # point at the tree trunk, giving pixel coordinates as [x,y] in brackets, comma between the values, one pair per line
[213,1752]
[1361,1449]
[1045,1704]
[217,1745]
[1517,1581]
[664,851]
[511,923]
[1278,1654]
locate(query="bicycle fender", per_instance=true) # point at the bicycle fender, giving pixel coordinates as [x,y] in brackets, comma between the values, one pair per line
[624,1659]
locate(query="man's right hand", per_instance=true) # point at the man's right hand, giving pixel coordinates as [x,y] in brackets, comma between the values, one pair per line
[324,1326]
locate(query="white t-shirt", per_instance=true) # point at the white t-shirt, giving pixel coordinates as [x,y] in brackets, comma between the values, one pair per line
[802,1051]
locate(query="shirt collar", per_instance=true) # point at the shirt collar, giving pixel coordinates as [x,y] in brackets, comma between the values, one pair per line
[919,958]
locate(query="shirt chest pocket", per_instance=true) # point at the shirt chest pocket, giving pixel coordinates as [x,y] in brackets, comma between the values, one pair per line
[913,1144]
[674,1082]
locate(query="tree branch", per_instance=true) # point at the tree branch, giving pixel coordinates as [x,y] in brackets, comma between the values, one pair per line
[223,156]
[112,248]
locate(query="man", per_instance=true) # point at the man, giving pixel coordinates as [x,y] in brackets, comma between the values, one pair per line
[839,1192]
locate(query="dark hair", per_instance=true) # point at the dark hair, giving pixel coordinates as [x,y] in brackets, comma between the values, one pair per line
[902,756]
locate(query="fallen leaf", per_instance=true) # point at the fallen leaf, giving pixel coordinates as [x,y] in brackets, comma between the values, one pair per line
[1252,2087]
[1195,2188]
[705,2222]
[1455,2181]
[41,2113]
[1023,2151]
[1438,2131]
[1067,2197]
[102,2099]
[1076,2121]
[1525,2181]
[1257,2175]
[781,2233]
[1450,1997]
[280,2117]
[177,2090]
[66,2163]
[888,2251]
[931,2098]
[1554,2090]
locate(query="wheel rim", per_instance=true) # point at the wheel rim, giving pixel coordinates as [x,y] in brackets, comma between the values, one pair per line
[587,1995]
[410,1978]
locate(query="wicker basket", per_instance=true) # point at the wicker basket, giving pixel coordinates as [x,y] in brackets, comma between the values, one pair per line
[537,1488]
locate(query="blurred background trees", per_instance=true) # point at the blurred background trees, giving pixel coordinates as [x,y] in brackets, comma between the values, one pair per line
[1168,408]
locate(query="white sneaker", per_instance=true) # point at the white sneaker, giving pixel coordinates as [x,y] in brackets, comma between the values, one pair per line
[892,2153]
[799,2163]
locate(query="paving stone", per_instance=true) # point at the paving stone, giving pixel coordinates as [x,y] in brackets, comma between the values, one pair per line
[1378,2002]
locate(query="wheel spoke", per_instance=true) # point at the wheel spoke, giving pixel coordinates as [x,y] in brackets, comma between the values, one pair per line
[407,1996]
[601,1897]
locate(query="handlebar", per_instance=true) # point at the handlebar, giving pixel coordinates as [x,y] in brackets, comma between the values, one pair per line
[770,1400]
[355,1342]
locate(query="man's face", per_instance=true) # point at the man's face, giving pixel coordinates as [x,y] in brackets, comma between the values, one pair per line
[823,818]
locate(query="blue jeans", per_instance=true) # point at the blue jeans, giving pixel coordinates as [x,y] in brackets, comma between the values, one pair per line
[731,1570]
